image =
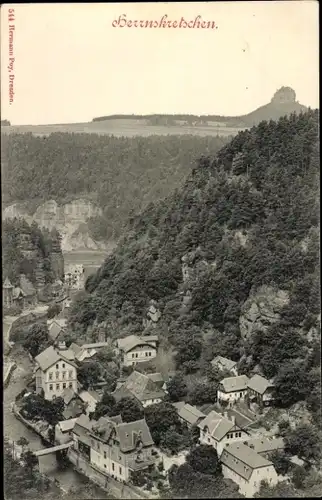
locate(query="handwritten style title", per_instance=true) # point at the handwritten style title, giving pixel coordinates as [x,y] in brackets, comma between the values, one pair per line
[123,22]
[11,20]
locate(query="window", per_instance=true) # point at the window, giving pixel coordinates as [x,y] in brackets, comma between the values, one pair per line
[241,394]
[50,387]
[133,354]
[113,466]
[57,367]
[208,440]
[104,454]
[63,365]
[236,434]
[64,374]
[104,466]
[64,386]
[70,385]
[70,374]
[136,355]
[133,363]
[57,386]
[57,375]
[149,354]
[146,353]
[120,471]
[50,375]
[239,434]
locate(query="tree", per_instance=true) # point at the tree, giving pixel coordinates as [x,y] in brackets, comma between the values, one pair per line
[23,442]
[53,310]
[89,374]
[203,393]
[282,490]
[36,339]
[172,440]
[129,409]
[298,476]
[104,407]
[30,460]
[177,388]
[304,441]
[293,383]
[281,462]
[160,418]
[204,459]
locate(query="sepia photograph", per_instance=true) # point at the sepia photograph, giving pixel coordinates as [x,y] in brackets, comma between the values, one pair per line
[160,189]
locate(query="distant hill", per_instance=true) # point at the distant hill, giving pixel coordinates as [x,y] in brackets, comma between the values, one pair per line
[282,103]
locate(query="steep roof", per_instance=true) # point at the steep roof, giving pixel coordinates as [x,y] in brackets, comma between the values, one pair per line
[127,433]
[128,343]
[67,395]
[259,384]
[190,414]
[242,459]
[130,432]
[234,384]
[265,445]
[7,283]
[141,387]
[226,363]
[55,329]
[67,425]
[49,357]
[217,424]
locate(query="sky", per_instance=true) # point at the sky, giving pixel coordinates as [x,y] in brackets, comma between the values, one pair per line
[71,64]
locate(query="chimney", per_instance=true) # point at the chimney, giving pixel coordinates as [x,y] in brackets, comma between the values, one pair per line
[233,419]
[226,415]
[61,345]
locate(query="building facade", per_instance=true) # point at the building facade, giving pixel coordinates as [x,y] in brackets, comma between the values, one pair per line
[114,447]
[134,349]
[232,389]
[219,431]
[247,468]
[54,373]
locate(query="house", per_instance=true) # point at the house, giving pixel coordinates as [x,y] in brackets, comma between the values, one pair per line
[225,364]
[265,446]
[56,330]
[79,353]
[218,431]
[54,373]
[74,277]
[232,389]
[63,430]
[134,349]
[114,447]
[22,296]
[189,415]
[142,388]
[161,380]
[90,399]
[74,406]
[260,391]
[247,468]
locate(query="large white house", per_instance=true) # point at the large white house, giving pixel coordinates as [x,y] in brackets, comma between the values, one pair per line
[114,447]
[245,467]
[134,349]
[54,373]
[232,389]
[219,430]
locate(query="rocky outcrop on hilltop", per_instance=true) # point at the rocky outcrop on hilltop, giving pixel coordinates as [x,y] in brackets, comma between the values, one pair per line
[262,309]
[69,219]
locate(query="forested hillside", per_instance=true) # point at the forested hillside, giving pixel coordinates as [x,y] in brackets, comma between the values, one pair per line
[28,250]
[242,232]
[122,175]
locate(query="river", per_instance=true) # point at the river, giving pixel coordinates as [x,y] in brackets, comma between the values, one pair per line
[14,429]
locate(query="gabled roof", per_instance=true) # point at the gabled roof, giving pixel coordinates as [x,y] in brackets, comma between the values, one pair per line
[259,384]
[89,396]
[217,425]
[226,363]
[234,384]
[242,459]
[141,387]
[49,357]
[67,395]
[67,425]
[128,343]
[265,445]
[190,414]
[55,329]
[128,434]
[7,283]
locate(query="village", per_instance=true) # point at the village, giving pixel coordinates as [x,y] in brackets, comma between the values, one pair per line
[110,450]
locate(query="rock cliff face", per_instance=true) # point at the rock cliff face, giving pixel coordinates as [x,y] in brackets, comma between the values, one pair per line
[262,309]
[69,219]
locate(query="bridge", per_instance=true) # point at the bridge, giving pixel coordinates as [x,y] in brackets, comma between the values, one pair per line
[53,449]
